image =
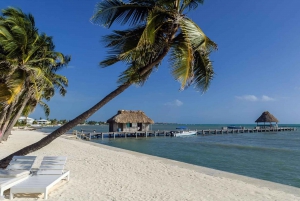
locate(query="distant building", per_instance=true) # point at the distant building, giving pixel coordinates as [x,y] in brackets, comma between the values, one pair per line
[27,119]
[43,121]
[129,121]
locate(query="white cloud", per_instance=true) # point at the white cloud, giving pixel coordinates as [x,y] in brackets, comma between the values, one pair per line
[267,98]
[247,98]
[174,103]
[254,98]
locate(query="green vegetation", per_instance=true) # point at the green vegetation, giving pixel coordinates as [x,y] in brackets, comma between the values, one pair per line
[96,123]
[21,123]
[28,66]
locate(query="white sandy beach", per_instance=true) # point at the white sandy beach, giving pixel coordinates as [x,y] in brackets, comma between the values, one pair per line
[99,172]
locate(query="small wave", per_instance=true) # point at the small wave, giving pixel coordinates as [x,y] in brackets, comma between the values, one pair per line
[247,147]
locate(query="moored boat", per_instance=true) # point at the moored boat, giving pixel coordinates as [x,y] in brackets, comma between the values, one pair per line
[182,131]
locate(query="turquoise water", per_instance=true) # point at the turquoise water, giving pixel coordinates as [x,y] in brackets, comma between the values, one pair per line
[273,156]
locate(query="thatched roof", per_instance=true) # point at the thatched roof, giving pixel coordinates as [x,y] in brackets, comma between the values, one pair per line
[266,117]
[128,116]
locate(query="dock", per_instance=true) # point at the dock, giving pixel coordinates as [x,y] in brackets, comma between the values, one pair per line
[165,133]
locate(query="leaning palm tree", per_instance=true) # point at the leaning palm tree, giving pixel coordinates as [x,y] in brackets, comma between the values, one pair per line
[157,27]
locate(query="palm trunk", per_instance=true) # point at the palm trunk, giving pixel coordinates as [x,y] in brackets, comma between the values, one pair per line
[2,115]
[6,115]
[14,120]
[7,119]
[55,134]
[2,118]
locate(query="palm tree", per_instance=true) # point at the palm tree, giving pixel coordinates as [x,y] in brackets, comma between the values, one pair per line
[28,67]
[158,27]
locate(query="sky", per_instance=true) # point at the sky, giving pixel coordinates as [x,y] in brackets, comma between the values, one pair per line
[256,65]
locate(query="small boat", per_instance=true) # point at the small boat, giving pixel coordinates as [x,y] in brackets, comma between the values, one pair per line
[36,126]
[235,127]
[182,131]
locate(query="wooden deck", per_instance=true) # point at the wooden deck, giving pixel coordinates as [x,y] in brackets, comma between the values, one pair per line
[94,135]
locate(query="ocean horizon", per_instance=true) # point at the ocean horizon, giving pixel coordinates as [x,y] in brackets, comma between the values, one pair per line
[271,156]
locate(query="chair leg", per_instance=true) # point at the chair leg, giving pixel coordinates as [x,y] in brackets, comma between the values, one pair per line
[46,195]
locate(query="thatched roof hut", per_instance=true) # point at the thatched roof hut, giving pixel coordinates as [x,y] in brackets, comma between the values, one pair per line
[129,121]
[129,116]
[266,117]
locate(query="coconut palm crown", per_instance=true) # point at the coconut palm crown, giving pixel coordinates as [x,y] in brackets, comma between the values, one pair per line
[156,28]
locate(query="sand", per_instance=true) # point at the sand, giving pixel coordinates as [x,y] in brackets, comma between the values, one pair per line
[99,172]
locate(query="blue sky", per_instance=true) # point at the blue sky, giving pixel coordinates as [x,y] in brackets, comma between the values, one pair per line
[256,66]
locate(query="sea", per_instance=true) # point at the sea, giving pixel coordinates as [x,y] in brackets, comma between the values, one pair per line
[271,156]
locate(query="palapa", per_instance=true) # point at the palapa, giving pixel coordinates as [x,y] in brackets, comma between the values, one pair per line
[266,117]
[129,116]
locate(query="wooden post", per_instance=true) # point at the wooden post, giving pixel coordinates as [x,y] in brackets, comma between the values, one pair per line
[216,132]
[196,132]
[102,136]
[146,133]
[135,134]
[165,133]
[90,137]
[125,135]
[114,135]
[154,133]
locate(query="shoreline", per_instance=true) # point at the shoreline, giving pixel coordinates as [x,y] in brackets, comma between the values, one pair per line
[109,173]
[202,169]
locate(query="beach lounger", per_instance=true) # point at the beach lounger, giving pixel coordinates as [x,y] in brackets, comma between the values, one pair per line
[18,170]
[50,173]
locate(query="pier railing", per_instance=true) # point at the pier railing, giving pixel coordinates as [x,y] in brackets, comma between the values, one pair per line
[136,134]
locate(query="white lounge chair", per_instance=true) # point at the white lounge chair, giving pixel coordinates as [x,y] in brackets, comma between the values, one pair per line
[50,173]
[17,171]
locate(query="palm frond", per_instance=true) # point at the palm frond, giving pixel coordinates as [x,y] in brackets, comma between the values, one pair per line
[45,107]
[181,60]
[29,108]
[203,71]
[198,39]
[5,93]
[109,11]
[122,45]
[190,4]
[131,75]
[156,19]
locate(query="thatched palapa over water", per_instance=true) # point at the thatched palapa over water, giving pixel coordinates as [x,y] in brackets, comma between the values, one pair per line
[129,116]
[266,117]
[127,120]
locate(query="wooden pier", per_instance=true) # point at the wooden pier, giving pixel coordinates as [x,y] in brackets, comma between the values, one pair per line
[95,135]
